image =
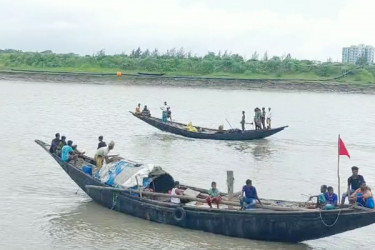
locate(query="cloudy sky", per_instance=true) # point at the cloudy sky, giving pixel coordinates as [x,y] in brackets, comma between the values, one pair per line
[307,29]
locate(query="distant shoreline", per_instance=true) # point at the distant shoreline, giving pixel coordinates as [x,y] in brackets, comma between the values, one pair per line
[186,81]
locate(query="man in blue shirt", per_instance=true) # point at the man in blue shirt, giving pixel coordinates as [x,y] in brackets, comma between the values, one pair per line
[249,196]
[354,182]
[66,152]
[331,199]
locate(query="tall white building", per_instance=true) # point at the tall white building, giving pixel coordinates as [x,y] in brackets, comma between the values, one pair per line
[353,53]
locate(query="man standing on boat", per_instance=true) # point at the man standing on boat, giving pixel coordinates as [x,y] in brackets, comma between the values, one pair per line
[249,196]
[263,117]
[101,143]
[269,118]
[243,121]
[164,109]
[102,154]
[354,182]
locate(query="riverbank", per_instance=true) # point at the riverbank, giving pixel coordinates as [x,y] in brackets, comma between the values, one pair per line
[189,81]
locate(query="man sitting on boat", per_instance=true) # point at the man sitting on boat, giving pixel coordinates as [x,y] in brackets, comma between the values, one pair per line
[146,112]
[354,182]
[214,195]
[176,191]
[67,152]
[62,143]
[331,199]
[321,199]
[55,142]
[102,154]
[363,196]
[138,109]
[243,121]
[249,196]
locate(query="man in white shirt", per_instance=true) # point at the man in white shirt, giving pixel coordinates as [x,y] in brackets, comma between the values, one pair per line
[164,111]
[269,118]
[102,154]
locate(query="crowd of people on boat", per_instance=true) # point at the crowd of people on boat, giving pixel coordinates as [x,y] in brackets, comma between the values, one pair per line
[262,119]
[69,152]
[357,193]
[248,196]
[64,149]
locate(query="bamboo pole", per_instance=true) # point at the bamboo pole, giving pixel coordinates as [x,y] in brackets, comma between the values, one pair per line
[230,180]
[184,197]
[338,170]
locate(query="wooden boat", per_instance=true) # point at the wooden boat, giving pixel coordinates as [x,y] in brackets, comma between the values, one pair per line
[150,74]
[207,133]
[273,223]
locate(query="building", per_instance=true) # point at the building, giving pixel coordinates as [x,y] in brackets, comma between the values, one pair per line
[353,53]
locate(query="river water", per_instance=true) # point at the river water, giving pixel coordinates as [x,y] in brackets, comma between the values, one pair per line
[41,208]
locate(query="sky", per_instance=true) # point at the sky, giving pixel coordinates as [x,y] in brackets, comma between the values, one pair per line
[307,29]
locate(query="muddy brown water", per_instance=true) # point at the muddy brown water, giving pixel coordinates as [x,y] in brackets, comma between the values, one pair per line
[41,209]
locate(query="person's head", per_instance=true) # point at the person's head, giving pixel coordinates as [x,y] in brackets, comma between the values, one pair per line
[263,108]
[176,184]
[145,107]
[213,185]
[330,190]
[355,170]
[323,188]
[168,108]
[139,105]
[243,112]
[57,135]
[100,138]
[269,109]
[111,145]
[70,143]
[165,103]
[248,182]
[63,138]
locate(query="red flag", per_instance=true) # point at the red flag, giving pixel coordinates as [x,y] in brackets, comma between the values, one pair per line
[342,149]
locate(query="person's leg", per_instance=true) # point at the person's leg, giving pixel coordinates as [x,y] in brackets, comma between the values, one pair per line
[218,201]
[208,200]
[243,126]
[343,197]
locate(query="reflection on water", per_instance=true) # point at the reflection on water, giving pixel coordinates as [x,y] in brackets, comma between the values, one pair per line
[89,223]
[260,149]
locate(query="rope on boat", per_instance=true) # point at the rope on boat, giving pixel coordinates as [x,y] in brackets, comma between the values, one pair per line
[334,223]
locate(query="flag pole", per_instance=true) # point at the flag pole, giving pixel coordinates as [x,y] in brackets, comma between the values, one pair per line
[338,168]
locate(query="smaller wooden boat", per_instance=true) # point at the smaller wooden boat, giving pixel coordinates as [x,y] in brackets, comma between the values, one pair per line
[208,133]
[150,74]
[277,221]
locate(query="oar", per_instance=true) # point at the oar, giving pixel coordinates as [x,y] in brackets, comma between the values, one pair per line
[229,123]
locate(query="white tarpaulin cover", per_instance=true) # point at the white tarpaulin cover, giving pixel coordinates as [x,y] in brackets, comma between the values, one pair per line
[124,174]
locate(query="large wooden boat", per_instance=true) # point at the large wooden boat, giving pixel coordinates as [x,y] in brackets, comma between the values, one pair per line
[278,221]
[208,133]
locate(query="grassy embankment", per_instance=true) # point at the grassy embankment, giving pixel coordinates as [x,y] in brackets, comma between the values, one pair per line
[178,64]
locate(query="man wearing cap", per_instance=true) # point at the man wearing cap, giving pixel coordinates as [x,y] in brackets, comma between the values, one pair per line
[102,154]
[354,182]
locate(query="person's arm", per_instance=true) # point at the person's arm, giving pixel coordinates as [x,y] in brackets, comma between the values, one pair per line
[313,196]
[256,195]
[335,200]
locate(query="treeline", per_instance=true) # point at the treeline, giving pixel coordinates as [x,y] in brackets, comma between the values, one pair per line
[177,61]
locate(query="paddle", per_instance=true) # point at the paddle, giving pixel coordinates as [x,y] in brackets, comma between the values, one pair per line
[229,123]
